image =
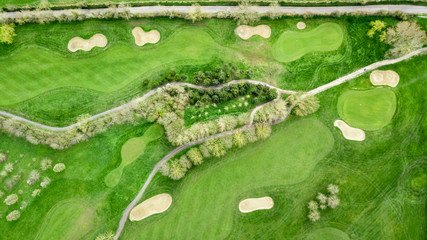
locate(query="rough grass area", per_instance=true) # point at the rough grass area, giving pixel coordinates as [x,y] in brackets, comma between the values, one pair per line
[131,150]
[367,109]
[210,194]
[295,44]
[327,233]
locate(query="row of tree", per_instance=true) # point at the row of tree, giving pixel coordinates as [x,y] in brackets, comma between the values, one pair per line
[221,75]
[176,168]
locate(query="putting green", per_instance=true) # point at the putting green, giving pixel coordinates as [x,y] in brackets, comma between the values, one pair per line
[206,201]
[40,69]
[133,148]
[292,45]
[327,233]
[68,219]
[367,109]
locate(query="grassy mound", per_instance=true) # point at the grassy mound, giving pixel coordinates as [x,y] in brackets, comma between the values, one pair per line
[131,150]
[69,219]
[327,233]
[214,193]
[292,45]
[368,109]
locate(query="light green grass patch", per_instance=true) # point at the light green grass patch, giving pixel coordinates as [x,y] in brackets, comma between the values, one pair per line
[327,233]
[68,219]
[292,45]
[207,201]
[367,109]
[133,148]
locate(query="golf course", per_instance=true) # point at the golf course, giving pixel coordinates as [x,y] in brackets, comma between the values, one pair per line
[203,125]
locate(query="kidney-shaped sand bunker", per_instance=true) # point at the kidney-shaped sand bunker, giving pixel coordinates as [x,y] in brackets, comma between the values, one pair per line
[78,43]
[245,32]
[153,205]
[253,204]
[141,37]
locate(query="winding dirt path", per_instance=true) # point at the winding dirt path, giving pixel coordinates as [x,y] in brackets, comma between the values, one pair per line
[251,125]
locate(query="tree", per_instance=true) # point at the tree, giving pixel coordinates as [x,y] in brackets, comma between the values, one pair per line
[3,157]
[33,177]
[405,38]
[36,192]
[333,201]
[216,147]
[11,199]
[195,156]
[13,216]
[204,151]
[185,163]
[195,13]
[59,167]
[251,135]
[304,103]
[8,167]
[239,139]
[45,164]
[333,189]
[7,33]
[45,182]
[106,236]
[165,169]
[376,26]
[245,13]
[322,198]
[176,170]
[313,206]
[263,131]
[314,215]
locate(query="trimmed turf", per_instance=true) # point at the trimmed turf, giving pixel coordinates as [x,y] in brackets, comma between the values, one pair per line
[213,195]
[367,109]
[327,233]
[293,45]
[131,150]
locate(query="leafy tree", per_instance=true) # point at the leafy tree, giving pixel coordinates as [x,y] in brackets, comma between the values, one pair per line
[263,131]
[33,177]
[333,201]
[165,169]
[204,151]
[36,192]
[322,198]
[313,206]
[59,167]
[13,216]
[195,13]
[7,33]
[185,163]
[239,139]
[304,104]
[405,38]
[376,26]
[8,167]
[245,13]
[314,215]
[195,156]
[216,147]
[177,171]
[11,199]
[45,164]
[45,182]
[333,189]
[106,236]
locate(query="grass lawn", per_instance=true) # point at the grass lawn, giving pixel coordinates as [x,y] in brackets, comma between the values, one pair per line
[131,150]
[328,233]
[367,109]
[293,45]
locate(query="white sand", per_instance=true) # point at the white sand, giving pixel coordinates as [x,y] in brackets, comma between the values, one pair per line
[253,204]
[142,37]
[78,43]
[154,205]
[389,77]
[348,132]
[245,31]
[301,25]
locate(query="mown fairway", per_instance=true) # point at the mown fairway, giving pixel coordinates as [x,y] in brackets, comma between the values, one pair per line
[293,45]
[367,109]
[209,198]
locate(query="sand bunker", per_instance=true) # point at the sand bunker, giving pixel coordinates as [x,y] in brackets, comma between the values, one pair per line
[301,25]
[245,31]
[253,204]
[154,205]
[389,77]
[78,43]
[350,133]
[142,37]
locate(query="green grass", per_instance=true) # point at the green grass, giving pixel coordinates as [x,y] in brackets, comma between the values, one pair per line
[293,45]
[68,219]
[209,193]
[131,150]
[367,109]
[327,233]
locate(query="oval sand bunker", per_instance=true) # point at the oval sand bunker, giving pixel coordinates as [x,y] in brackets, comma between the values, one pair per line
[245,31]
[78,43]
[154,205]
[348,132]
[389,77]
[253,204]
[142,37]
[301,25]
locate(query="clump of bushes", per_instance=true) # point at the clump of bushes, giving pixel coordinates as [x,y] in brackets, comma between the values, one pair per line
[323,202]
[405,37]
[304,103]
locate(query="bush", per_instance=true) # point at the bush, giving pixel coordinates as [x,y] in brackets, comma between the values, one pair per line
[205,151]
[7,33]
[45,164]
[45,182]
[304,104]
[13,216]
[106,236]
[3,157]
[11,199]
[184,162]
[176,171]
[263,131]
[195,156]
[215,147]
[405,38]
[59,167]
[36,192]
[8,167]
[33,177]
[239,139]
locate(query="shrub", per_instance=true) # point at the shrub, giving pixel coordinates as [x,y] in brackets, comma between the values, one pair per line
[251,135]
[45,164]
[195,13]
[333,189]
[239,139]
[177,171]
[314,215]
[33,177]
[184,162]
[405,38]
[8,167]
[36,192]
[7,33]
[45,182]
[304,104]
[263,131]
[11,182]
[195,156]
[376,26]
[3,157]
[13,216]
[205,151]
[106,236]
[333,201]
[215,147]
[59,167]
[11,199]
[165,169]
